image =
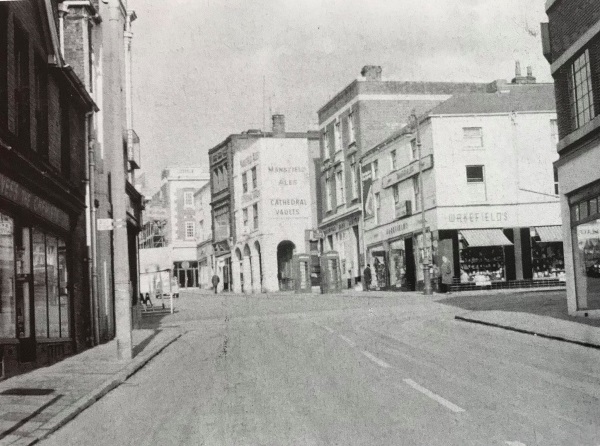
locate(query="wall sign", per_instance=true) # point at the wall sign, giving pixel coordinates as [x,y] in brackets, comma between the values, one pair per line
[342,225]
[407,171]
[16,193]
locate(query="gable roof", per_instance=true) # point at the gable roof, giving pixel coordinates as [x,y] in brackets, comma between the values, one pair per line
[515,98]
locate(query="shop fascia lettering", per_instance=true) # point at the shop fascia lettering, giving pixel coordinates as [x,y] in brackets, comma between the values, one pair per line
[341,225]
[406,172]
[395,229]
[476,217]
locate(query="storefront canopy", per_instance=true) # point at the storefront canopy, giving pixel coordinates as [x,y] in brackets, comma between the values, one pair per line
[549,234]
[485,237]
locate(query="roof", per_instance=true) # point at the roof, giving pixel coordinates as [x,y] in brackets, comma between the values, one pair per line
[515,98]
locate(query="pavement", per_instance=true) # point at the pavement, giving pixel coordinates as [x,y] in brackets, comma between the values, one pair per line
[35,404]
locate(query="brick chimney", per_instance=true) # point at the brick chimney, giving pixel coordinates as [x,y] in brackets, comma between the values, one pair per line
[519,78]
[371,72]
[278,126]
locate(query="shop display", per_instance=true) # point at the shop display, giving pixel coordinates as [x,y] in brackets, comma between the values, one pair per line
[547,260]
[482,265]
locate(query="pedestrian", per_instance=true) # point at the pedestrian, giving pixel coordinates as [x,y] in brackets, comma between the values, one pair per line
[447,275]
[367,277]
[147,300]
[215,282]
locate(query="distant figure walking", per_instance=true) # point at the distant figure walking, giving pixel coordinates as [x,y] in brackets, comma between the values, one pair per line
[367,277]
[447,275]
[215,282]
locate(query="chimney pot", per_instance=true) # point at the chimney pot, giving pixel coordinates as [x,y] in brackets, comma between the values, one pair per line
[517,69]
[278,125]
[371,72]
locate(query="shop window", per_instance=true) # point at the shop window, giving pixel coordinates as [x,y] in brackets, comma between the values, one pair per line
[52,287]
[586,250]
[472,137]
[581,98]
[244,182]
[482,265]
[40,291]
[254,178]
[7,277]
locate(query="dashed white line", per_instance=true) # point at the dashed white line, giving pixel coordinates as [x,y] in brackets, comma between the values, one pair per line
[376,360]
[444,402]
[514,443]
[348,341]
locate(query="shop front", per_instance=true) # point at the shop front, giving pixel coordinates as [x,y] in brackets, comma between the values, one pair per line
[547,253]
[483,258]
[343,237]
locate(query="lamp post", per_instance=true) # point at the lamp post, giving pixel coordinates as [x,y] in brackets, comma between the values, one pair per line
[426,278]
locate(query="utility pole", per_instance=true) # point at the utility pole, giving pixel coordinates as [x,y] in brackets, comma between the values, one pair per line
[114,122]
[425,258]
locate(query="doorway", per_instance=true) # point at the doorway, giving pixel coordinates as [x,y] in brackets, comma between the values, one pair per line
[285,253]
[411,272]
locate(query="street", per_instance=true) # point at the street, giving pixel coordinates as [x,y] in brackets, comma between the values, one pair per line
[360,369]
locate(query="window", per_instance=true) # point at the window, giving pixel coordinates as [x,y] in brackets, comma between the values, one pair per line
[414,150]
[393,160]
[245,182]
[396,194]
[3,63]
[41,111]
[417,189]
[254,178]
[554,131]
[555,181]
[580,91]
[22,101]
[328,198]
[375,169]
[472,137]
[338,135]
[245,217]
[326,146]
[353,178]
[8,316]
[190,229]
[339,182]
[377,199]
[255,215]
[351,128]
[474,174]
[188,199]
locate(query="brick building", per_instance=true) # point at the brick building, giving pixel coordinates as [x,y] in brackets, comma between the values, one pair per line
[171,220]
[364,113]
[113,150]
[44,301]
[571,43]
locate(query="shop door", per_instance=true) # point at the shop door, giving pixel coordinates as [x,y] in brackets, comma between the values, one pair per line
[411,277]
[226,280]
[24,298]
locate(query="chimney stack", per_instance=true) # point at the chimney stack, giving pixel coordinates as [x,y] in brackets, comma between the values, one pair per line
[520,79]
[278,126]
[371,72]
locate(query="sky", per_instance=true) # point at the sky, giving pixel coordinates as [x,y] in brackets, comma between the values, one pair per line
[204,69]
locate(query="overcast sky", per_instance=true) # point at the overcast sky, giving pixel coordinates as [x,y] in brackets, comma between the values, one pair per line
[200,65]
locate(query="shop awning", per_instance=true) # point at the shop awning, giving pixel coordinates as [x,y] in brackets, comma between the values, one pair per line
[485,237]
[549,234]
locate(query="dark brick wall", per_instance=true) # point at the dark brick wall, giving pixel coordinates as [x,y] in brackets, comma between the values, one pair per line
[569,20]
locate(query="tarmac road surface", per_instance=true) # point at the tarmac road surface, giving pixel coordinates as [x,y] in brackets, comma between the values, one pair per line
[346,370]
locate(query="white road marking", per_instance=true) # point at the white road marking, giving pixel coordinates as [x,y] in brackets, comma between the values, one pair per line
[330,330]
[447,404]
[348,341]
[515,443]
[376,360]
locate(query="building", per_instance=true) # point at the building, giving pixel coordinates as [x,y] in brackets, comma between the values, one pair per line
[169,232]
[488,187]
[360,116]
[204,237]
[274,207]
[97,44]
[45,311]
[571,44]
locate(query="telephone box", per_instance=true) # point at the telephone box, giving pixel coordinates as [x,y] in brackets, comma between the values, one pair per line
[301,272]
[331,275]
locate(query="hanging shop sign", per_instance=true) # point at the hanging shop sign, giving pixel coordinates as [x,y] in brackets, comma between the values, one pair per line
[367,198]
[407,171]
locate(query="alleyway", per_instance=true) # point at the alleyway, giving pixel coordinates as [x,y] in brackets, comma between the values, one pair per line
[346,370]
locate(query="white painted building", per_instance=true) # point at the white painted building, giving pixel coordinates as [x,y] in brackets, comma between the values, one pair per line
[491,198]
[178,229]
[275,204]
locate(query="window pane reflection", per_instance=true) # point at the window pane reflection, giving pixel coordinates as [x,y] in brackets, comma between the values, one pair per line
[52,272]
[587,265]
[63,290]
[39,284]
[7,278]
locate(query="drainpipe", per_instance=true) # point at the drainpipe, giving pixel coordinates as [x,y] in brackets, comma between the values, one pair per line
[93,232]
